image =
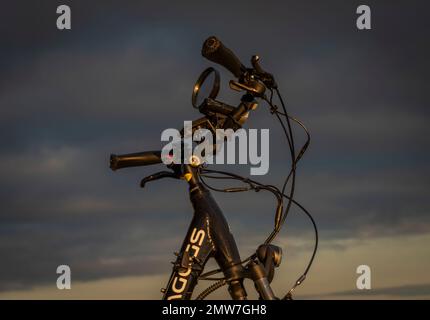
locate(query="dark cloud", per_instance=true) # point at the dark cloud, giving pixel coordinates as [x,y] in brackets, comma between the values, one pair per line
[125,72]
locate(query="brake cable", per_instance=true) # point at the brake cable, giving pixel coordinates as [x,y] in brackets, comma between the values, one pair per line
[236,177]
[273,189]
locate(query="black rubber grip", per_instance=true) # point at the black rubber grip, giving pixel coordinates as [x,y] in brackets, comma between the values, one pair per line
[134,159]
[215,51]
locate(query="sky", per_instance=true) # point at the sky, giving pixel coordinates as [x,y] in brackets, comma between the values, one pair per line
[125,72]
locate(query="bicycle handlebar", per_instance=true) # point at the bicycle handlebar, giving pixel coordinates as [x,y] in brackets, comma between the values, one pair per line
[215,51]
[134,159]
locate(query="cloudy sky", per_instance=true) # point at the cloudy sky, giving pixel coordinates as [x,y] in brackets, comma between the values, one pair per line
[125,72]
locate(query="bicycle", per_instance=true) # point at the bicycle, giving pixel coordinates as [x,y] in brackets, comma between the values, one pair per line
[208,234]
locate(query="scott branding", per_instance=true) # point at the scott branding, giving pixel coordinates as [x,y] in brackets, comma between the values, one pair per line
[181,279]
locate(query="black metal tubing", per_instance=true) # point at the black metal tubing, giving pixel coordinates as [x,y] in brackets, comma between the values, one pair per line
[134,159]
[208,236]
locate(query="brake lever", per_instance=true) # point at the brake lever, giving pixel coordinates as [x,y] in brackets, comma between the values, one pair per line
[266,77]
[251,86]
[157,176]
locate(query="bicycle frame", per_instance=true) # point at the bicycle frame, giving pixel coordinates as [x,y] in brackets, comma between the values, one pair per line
[208,236]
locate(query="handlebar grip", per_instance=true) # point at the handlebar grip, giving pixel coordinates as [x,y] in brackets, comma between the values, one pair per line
[215,51]
[134,159]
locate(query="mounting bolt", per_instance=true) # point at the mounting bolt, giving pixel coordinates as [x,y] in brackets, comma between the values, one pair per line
[163,290]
